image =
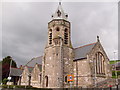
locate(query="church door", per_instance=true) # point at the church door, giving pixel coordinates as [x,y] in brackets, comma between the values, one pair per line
[46,80]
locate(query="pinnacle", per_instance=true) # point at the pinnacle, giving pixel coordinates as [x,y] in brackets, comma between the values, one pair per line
[59,14]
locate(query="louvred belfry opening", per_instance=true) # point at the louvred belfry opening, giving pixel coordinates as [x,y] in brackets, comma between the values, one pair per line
[50,36]
[66,36]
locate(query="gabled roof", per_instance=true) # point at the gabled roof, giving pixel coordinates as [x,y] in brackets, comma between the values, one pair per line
[16,71]
[39,67]
[30,69]
[81,52]
[33,61]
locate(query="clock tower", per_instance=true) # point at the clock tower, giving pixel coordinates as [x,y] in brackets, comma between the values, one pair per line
[58,55]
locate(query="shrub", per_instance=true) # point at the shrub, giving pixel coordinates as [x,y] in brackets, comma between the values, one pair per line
[5,80]
[23,87]
[114,75]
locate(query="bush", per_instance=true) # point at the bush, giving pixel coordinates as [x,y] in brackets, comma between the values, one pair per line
[118,73]
[0,82]
[5,80]
[20,86]
[113,74]
[23,87]
[15,86]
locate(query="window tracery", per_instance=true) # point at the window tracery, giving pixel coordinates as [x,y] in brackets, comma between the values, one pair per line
[100,68]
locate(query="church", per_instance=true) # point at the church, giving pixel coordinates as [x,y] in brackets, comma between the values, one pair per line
[62,65]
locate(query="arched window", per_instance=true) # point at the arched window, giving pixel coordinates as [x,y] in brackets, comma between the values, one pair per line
[29,79]
[57,29]
[40,77]
[100,68]
[50,36]
[66,36]
[65,78]
[46,81]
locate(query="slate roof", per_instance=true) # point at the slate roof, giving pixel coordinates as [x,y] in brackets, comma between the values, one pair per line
[81,52]
[16,72]
[30,69]
[33,61]
[59,14]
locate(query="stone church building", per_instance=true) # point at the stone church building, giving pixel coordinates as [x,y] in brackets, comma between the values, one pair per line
[87,65]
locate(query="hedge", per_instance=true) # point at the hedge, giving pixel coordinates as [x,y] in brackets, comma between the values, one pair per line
[23,87]
[114,75]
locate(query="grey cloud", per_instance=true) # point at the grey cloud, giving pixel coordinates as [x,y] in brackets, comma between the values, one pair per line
[25,27]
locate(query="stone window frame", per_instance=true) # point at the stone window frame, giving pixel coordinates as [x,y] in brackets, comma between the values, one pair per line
[57,29]
[46,81]
[40,77]
[100,63]
[66,36]
[65,78]
[50,36]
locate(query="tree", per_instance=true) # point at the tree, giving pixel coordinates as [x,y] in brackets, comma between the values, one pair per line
[6,66]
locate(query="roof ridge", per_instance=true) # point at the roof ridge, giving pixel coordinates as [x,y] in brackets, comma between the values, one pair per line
[86,45]
[33,59]
[15,68]
[38,57]
[30,67]
[39,64]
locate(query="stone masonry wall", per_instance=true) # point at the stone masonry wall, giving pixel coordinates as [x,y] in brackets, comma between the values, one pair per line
[82,73]
[25,78]
[35,77]
[91,57]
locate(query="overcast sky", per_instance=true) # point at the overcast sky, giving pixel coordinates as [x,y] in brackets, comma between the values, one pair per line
[24,27]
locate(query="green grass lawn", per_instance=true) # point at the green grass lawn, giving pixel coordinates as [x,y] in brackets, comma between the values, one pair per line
[113,72]
[113,62]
